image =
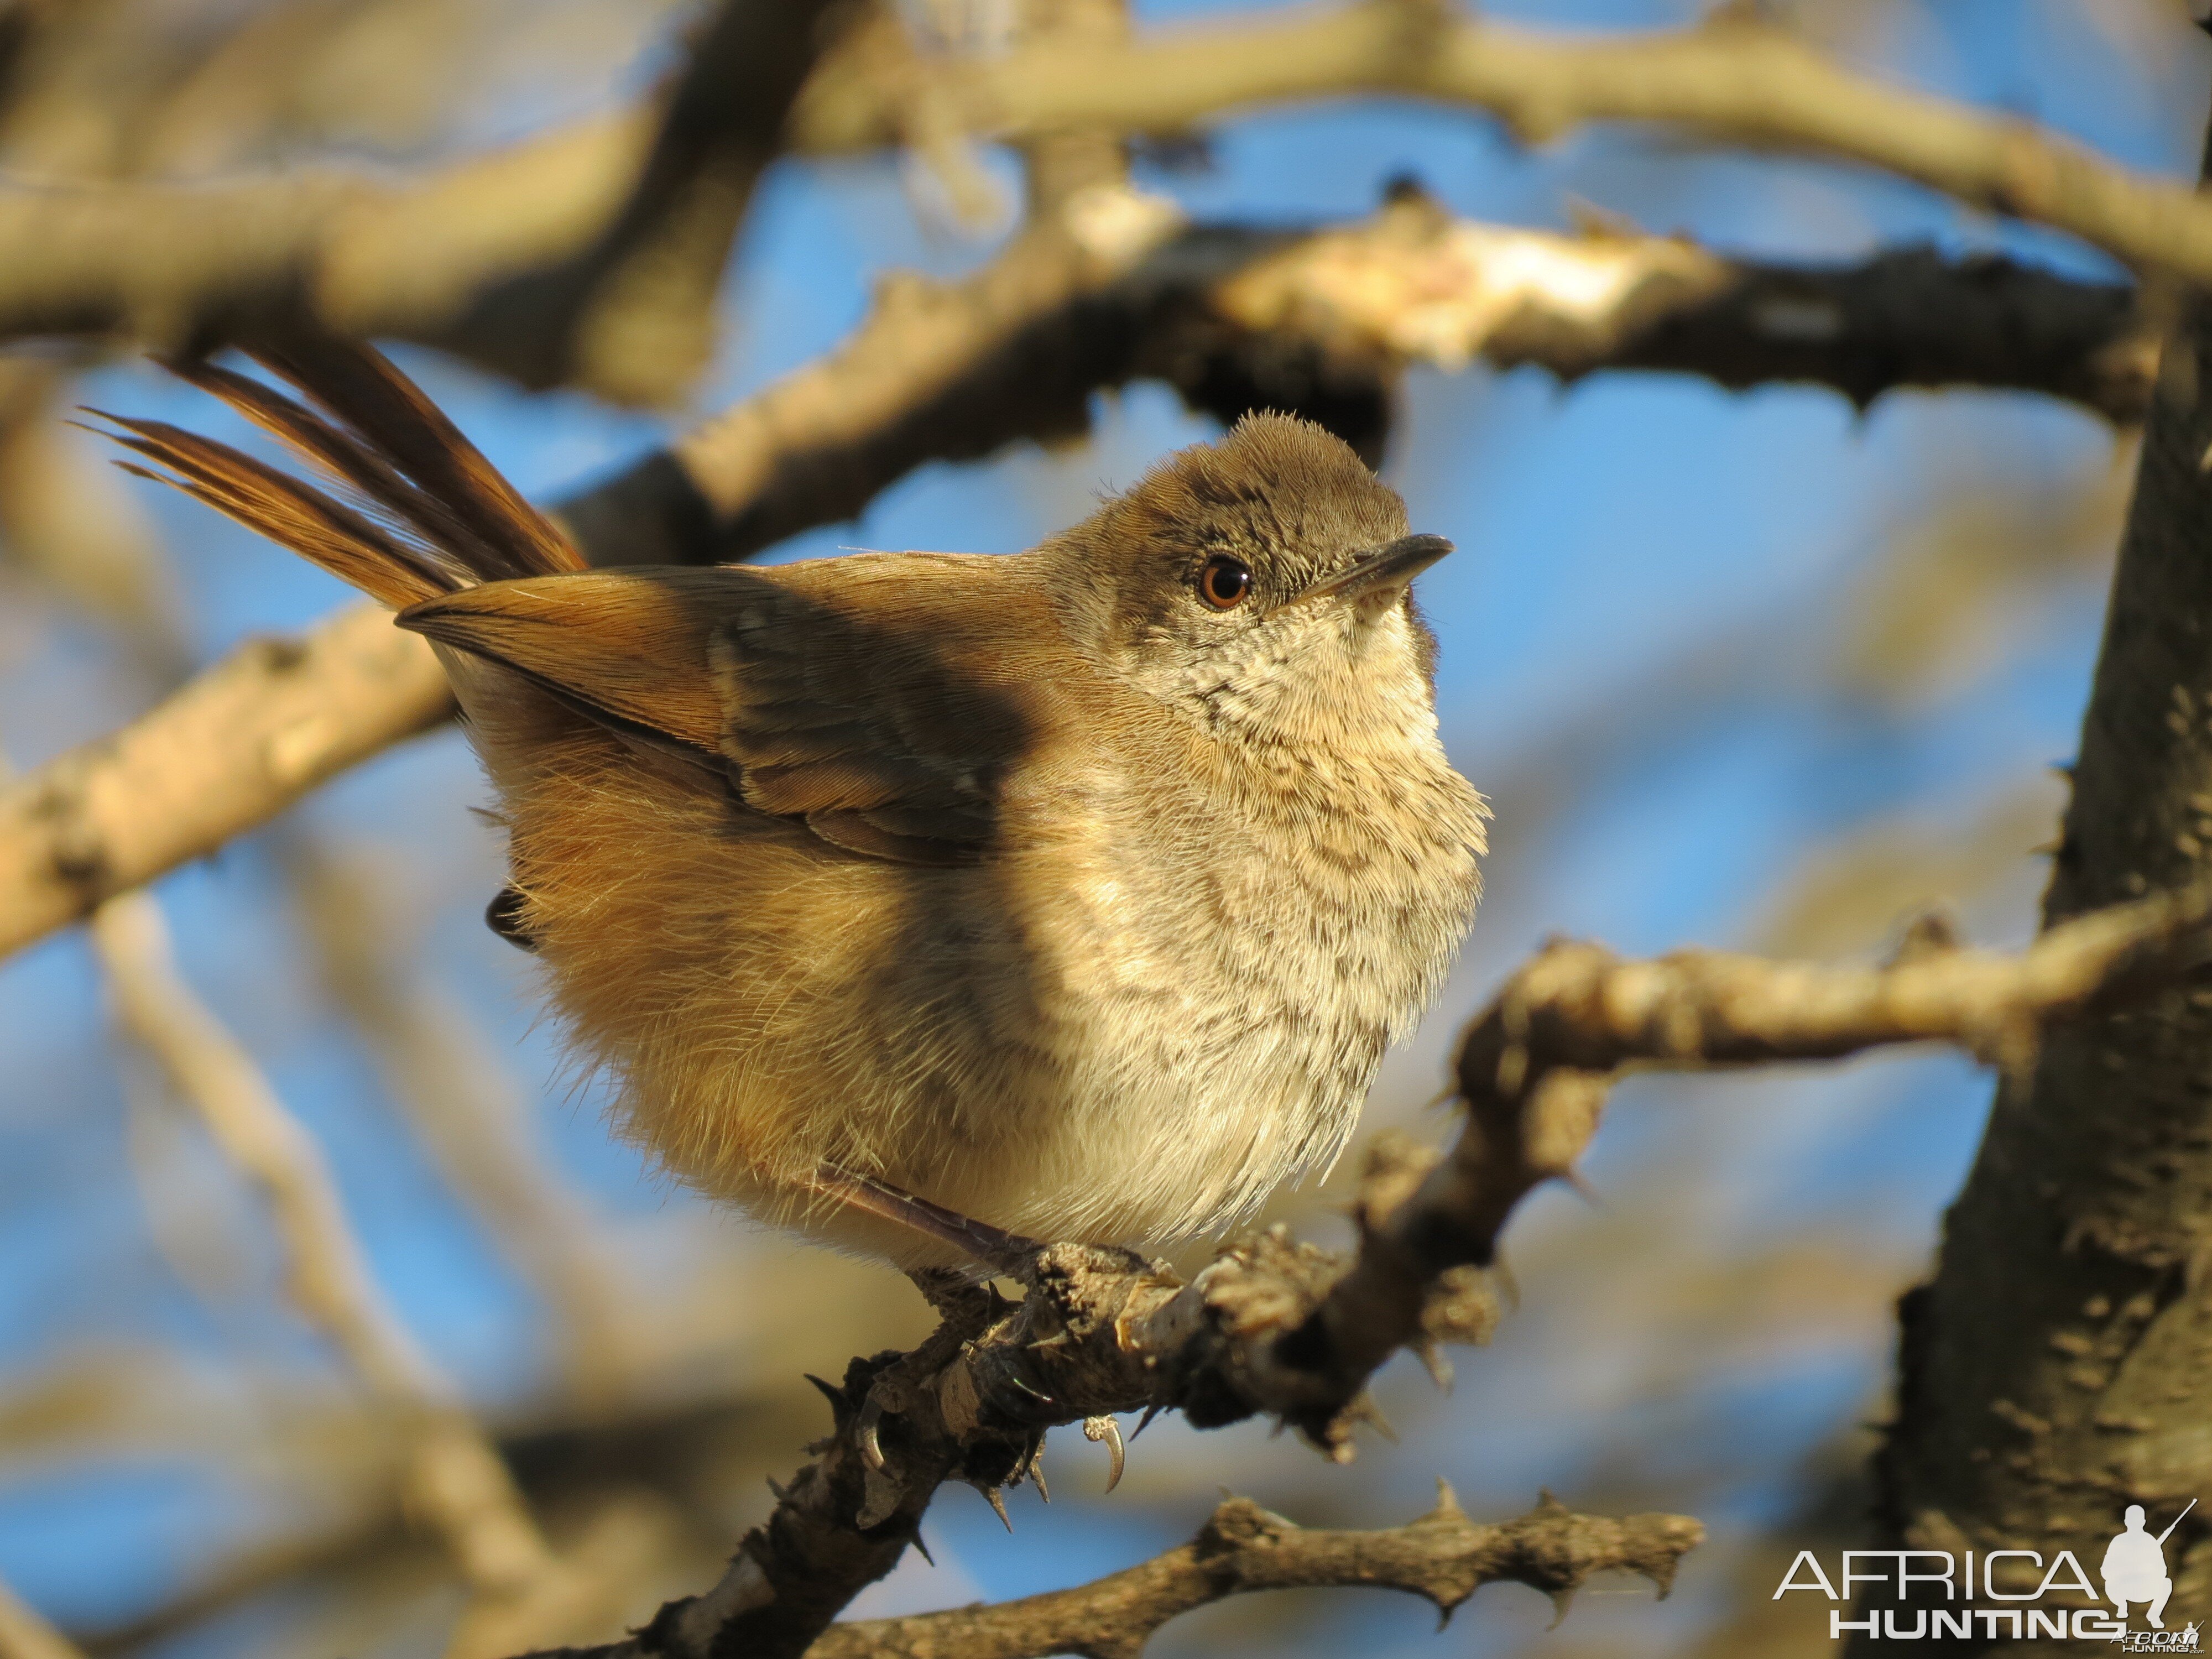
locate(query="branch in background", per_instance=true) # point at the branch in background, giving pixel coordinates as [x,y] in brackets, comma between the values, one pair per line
[1321,323]
[588,250]
[592,254]
[1058,164]
[1288,1330]
[703,1411]
[74,527]
[464,1108]
[631,315]
[166,265]
[25,1633]
[938,371]
[2051,1370]
[455,1476]
[1731,78]
[1242,1548]
[236,745]
[452,1476]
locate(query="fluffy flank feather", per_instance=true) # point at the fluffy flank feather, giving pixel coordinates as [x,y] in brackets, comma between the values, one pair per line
[349,545]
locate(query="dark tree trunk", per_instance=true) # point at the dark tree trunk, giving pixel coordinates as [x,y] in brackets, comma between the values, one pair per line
[2057,1367]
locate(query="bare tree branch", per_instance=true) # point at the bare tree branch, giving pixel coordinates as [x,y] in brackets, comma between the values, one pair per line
[592,254]
[1276,1328]
[2053,1368]
[1323,324]
[233,747]
[454,1474]
[166,264]
[26,1634]
[1731,78]
[631,315]
[586,251]
[1444,1556]
[465,1108]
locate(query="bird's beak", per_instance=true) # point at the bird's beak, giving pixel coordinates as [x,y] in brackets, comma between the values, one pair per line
[1385,574]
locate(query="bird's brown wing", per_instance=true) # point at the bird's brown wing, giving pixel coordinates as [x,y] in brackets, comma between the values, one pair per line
[848,695]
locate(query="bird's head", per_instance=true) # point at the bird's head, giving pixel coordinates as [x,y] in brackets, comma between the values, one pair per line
[1259,586]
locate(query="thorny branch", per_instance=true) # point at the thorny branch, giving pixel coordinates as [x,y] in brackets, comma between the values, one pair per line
[1444,1556]
[1112,291]
[1286,1329]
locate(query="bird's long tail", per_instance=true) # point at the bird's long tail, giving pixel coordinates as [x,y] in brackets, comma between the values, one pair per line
[407,509]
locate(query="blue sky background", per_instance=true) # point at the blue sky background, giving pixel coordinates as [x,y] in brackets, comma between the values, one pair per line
[1663,654]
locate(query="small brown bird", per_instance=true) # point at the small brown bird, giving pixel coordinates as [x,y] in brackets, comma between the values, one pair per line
[922,901]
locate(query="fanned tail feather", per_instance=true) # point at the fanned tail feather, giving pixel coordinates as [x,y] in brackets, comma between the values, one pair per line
[417,511]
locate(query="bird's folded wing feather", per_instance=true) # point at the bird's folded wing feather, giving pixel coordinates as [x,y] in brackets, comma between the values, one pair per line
[826,701]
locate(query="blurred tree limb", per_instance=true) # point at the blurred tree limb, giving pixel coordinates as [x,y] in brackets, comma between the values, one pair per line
[1323,323]
[1444,1556]
[239,741]
[465,1109]
[1275,1327]
[593,252]
[1114,289]
[1733,77]
[24,1634]
[631,313]
[454,1474]
[2053,1368]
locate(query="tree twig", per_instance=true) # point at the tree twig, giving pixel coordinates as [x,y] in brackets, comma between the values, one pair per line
[591,253]
[631,315]
[25,1632]
[465,1108]
[1443,1556]
[234,747]
[1281,1328]
[517,258]
[1733,78]
[1323,324]
[454,1476]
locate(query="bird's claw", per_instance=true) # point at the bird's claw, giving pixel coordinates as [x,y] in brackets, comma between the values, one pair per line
[1105,1428]
[864,1433]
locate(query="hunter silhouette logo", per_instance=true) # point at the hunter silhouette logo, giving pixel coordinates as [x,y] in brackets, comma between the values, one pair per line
[2002,1595]
[2135,1567]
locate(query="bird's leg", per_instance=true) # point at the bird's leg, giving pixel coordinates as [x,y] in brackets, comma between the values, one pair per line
[992,1246]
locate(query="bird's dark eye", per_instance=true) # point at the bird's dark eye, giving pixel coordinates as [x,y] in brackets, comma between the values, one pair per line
[1224,581]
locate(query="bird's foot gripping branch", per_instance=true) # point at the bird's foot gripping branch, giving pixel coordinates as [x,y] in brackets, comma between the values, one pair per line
[1274,1326]
[1099,1332]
